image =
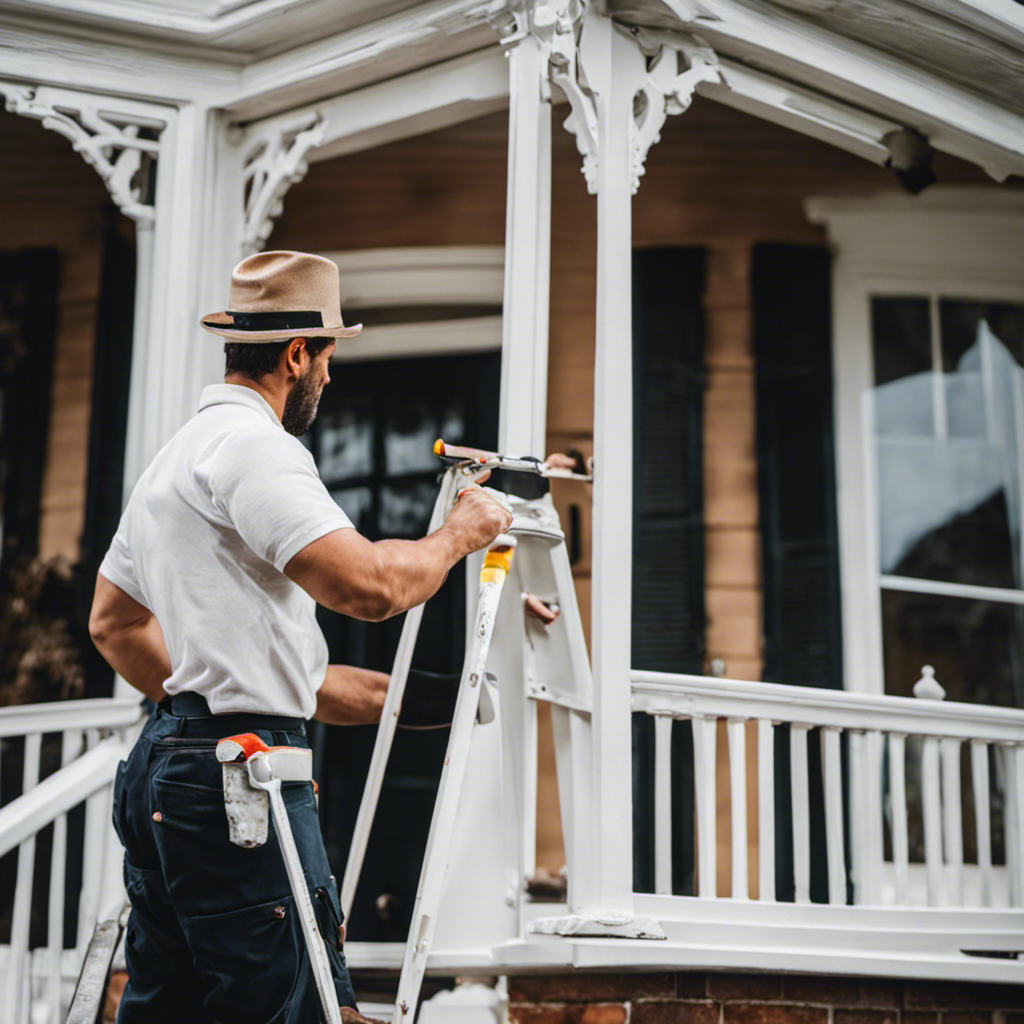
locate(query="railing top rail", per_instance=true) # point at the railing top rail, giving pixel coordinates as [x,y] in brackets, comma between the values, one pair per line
[58,715]
[687,696]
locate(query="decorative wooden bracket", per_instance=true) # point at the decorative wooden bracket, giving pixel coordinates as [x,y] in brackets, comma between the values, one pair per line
[274,160]
[676,65]
[121,144]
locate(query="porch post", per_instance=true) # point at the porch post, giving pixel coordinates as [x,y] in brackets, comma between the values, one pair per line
[522,418]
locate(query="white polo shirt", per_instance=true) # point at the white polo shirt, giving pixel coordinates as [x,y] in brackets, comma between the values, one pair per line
[203,543]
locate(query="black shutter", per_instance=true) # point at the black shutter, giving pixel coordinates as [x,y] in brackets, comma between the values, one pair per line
[799,537]
[669,617]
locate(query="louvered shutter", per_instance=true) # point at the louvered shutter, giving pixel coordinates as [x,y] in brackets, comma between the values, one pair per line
[796,484]
[669,619]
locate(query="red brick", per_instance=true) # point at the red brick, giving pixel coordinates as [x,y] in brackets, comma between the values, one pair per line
[920,1017]
[961,995]
[966,1017]
[690,985]
[663,1011]
[745,986]
[567,1013]
[841,991]
[1014,1018]
[867,1017]
[772,1013]
[589,988]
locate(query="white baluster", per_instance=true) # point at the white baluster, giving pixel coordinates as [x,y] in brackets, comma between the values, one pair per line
[704,754]
[738,785]
[800,782]
[1015,837]
[859,817]
[766,809]
[983,825]
[97,824]
[875,752]
[16,954]
[927,688]
[663,804]
[831,769]
[898,796]
[952,819]
[1005,755]
[70,743]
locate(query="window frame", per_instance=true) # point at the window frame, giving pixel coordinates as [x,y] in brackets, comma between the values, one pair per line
[948,242]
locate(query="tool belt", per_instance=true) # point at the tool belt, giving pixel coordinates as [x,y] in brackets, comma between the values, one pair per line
[199,720]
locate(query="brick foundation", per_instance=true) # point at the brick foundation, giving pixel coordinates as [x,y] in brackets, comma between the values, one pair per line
[713,998]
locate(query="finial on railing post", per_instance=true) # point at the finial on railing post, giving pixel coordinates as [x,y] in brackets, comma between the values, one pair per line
[927,687]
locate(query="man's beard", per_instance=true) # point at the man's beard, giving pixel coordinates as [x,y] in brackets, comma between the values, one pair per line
[301,404]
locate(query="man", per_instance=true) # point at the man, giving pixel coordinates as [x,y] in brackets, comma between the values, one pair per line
[205,602]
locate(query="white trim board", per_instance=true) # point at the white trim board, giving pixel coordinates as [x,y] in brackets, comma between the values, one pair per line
[434,338]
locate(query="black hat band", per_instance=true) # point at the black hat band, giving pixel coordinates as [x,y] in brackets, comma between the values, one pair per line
[278,320]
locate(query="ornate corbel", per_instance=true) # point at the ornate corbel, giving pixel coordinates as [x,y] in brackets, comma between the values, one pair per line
[122,146]
[676,65]
[274,160]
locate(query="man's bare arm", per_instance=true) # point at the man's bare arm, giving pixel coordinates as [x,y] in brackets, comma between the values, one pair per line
[351,696]
[347,573]
[127,634]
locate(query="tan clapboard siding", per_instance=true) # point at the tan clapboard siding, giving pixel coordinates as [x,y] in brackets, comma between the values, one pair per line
[50,197]
[718,179]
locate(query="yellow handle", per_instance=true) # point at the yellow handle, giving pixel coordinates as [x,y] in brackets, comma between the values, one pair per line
[497,563]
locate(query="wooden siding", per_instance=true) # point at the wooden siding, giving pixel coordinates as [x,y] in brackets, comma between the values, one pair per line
[49,196]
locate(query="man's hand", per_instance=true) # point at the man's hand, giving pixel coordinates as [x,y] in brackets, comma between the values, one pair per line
[351,696]
[478,518]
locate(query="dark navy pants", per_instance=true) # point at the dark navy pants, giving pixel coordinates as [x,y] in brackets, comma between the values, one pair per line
[214,934]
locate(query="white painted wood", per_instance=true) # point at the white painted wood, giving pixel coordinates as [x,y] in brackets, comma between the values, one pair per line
[615,68]
[444,94]
[671,693]
[60,716]
[956,122]
[523,412]
[420,275]
[812,113]
[952,820]
[859,804]
[422,340]
[982,817]
[1015,838]
[832,775]
[931,810]
[766,810]
[663,804]
[25,840]
[801,812]
[736,728]
[1000,595]
[873,823]
[898,818]
[96,828]
[705,732]
[70,743]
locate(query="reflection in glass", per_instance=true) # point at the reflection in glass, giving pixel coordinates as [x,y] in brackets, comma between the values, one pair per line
[950,498]
[409,436]
[405,508]
[904,403]
[356,503]
[345,443]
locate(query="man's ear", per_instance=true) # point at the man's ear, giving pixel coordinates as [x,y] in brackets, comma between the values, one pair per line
[293,357]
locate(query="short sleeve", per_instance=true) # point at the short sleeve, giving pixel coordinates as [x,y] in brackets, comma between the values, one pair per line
[267,485]
[118,567]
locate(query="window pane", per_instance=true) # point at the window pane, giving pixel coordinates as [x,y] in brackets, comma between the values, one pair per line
[356,503]
[345,442]
[903,365]
[405,508]
[950,507]
[975,647]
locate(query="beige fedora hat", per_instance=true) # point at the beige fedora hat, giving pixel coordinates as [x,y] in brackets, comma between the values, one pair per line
[279,295]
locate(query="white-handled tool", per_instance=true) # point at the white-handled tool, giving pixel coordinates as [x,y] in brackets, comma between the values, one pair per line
[253,773]
[497,563]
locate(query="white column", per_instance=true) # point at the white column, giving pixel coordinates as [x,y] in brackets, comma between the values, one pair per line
[614,67]
[184,263]
[522,419]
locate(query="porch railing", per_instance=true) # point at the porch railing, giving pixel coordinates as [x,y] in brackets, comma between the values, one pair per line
[85,740]
[861,806]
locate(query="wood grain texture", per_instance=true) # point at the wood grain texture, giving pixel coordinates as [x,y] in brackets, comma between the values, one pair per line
[50,197]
